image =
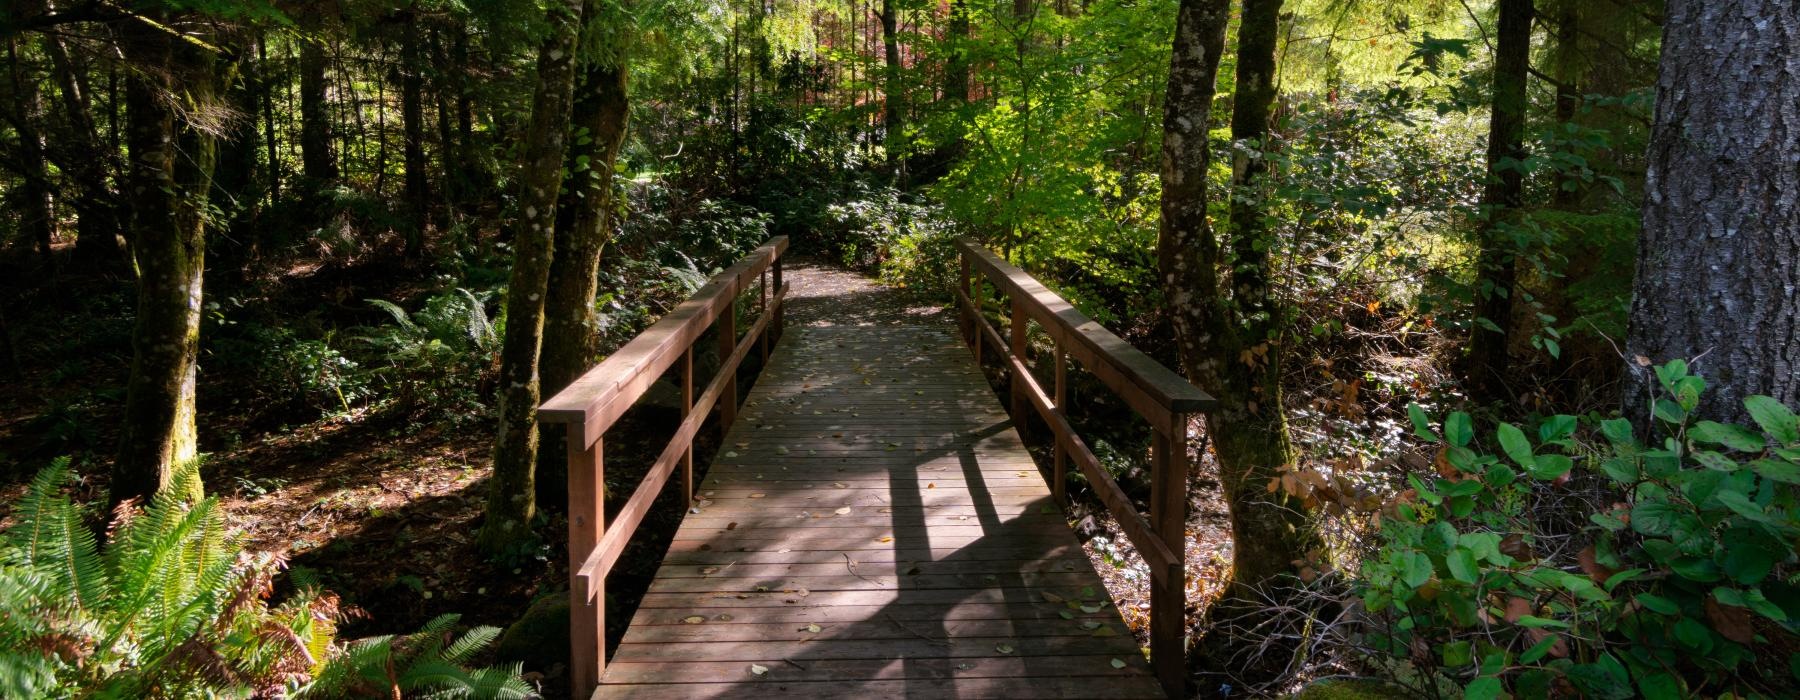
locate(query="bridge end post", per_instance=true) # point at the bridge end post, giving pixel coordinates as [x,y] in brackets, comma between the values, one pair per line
[1168,592]
[587,598]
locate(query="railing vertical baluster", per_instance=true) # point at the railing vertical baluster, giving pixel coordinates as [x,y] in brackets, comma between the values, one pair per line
[727,341]
[1020,344]
[1061,473]
[1168,517]
[763,308]
[775,276]
[687,406]
[963,322]
[587,518]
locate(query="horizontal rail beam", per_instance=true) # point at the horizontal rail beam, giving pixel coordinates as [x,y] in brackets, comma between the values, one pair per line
[591,403]
[625,523]
[1156,553]
[1153,390]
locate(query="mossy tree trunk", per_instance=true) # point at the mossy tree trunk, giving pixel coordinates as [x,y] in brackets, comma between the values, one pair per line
[170,175]
[1230,329]
[1501,202]
[512,493]
[583,226]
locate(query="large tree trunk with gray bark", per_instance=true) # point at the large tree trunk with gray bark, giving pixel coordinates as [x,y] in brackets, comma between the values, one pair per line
[1718,273]
[512,493]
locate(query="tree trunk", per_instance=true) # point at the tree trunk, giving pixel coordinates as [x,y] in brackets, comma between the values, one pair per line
[37,217]
[412,117]
[316,160]
[511,502]
[583,227]
[98,214]
[171,171]
[1719,258]
[237,187]
[892,99]
[1496,264]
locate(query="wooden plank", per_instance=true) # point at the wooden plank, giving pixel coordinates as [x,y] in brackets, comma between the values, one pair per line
[950,563]
[1026,685]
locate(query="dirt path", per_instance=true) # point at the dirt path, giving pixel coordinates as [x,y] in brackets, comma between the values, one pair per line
[826,295]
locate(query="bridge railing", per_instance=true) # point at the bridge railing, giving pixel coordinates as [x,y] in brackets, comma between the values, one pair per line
[1153,391]
[592,403]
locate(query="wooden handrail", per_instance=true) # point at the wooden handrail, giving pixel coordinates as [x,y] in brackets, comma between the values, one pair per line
[592,403]
[1155,392]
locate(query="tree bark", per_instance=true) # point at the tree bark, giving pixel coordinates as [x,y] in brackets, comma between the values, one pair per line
[511,501]
[317,162]
[98,214]
[412,117]
[1496,263]
[893,97]
[171,171]
[1719,258]
[25,112]
[583,227]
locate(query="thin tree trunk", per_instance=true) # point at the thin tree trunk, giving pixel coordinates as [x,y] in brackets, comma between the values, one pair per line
[317,162]
[1496,262]
[171,170]
[583,227]
[25,111]
[273,175]
[1719,258]
[892,98]
[412,116]
[511,501]
[98,215]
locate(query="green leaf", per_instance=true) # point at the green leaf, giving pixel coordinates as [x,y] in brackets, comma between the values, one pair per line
[1483,688]
[1742,505]
[1418,569]
[1653,518]
[1670,412]
[1763,606]
[1775,419]
[1513,441]
[1538,650]
[1693,635]
[1461,563]
[1549,467]
[1620,470]
[1421,423]
[1732,436]
[1777,470]
[1556,427]
[1456,654]
[1457,429]
[1618,431]
[1658,603]
[1660,686]
[1535,622]
[1715,461]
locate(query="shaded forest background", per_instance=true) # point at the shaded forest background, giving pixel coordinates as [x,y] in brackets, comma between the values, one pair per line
[339,251]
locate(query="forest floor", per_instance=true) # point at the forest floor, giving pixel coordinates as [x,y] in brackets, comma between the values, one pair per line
[382,509]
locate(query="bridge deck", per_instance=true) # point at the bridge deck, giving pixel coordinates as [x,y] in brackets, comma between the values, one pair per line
[874,526]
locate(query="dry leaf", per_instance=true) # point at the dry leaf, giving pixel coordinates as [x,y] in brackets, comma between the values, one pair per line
[1003,648]
[1118,663]
[693,619]
[758,669]
[843,511]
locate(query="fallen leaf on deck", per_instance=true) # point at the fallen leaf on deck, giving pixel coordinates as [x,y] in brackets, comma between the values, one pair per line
[758,669]
[693,619]
[1105,632]
[1003,648]
[843,511]
[1118,663]
[813,628]
[885,539]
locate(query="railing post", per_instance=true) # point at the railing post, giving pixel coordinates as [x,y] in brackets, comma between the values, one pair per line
[963,322]
[587,517]
[1168,517]
[775,275]
[1061,473]
[687,406]
[728,398]
[1020,346]
[763,300]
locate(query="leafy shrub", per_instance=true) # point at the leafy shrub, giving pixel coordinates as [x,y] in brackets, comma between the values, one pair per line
[439,356]
[908,244]
[172,607]
[169,608]
[315,372]
[425,663]
[1681,585]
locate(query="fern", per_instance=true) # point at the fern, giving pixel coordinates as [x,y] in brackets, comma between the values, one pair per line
[420,665]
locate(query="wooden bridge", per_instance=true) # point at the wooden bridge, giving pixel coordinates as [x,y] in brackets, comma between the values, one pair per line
[873,524]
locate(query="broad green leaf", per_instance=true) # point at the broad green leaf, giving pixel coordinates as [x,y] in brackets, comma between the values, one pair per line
[1483,688]
[1457,429]
[1660,686]
[1513,441]
[1556,427]
[1776,419]
[1548,467]
[1732,436]
[1421,423]
[1461,563]
[1538,650]
[1417,571]
[1777,470]
[1617,431]
[1535,622]
[1653,518]
[1657,603]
